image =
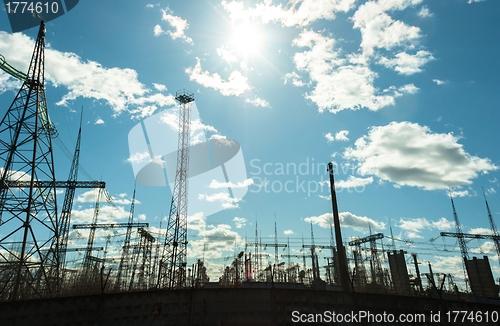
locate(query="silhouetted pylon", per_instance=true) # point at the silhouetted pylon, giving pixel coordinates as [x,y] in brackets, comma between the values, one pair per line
[29,240]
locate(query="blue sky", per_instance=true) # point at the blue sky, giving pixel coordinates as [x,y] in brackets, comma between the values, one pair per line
[402,95]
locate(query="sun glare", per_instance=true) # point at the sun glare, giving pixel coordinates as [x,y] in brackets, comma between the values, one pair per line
[245,38]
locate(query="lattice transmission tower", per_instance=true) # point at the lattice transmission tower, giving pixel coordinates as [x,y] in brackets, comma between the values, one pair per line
[69,197]
[172,269]
[494,230]
[29,240]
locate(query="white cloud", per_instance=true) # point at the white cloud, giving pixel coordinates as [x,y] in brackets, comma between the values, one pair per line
[343,82]
[425,12]
[409,154]
[242,184]
[288,232]
[16,175]
[179,25]
[217,136]
[226,201]
[353,182]
[407,64]
[258,102]
[347,219]
[122,200]
[409,88]
[295,13]
[485,248]
[449,265]
[443,224]
[340,83]
[439,82]
[158,30]
[472,1]
[171,119]
[329,137]
[295,78]
[196,222]
[215,240]
[379,30]
[413,226]
[236,84]
[239,222]
[99,122]
[461,193]
[197,128]
[120,88]
[89,196]
[211,242]
[138,157]
[107,214]
[480,231]
[342,135]
[226,54]
[160,87]
[8,83]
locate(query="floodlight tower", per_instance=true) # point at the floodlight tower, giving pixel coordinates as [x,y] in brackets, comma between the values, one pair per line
[172,272]
[29,245]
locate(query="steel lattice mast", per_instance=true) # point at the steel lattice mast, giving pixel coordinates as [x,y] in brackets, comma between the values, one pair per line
[172,270]
[494,229]
[460,234]
[461,241]
[29,247]
[88,260]
[68,200]
[124,261]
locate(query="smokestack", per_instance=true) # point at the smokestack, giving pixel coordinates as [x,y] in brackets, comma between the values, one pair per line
[342,259]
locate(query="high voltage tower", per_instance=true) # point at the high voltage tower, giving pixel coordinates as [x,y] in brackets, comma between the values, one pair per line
[33,241]
[124,260]
[31,212]
[172,269]
[459,233]
[68,200]
[494,229]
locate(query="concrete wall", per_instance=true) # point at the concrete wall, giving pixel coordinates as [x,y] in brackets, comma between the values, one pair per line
[242,306]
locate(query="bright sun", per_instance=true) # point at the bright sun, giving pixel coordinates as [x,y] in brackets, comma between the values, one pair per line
[245,38]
